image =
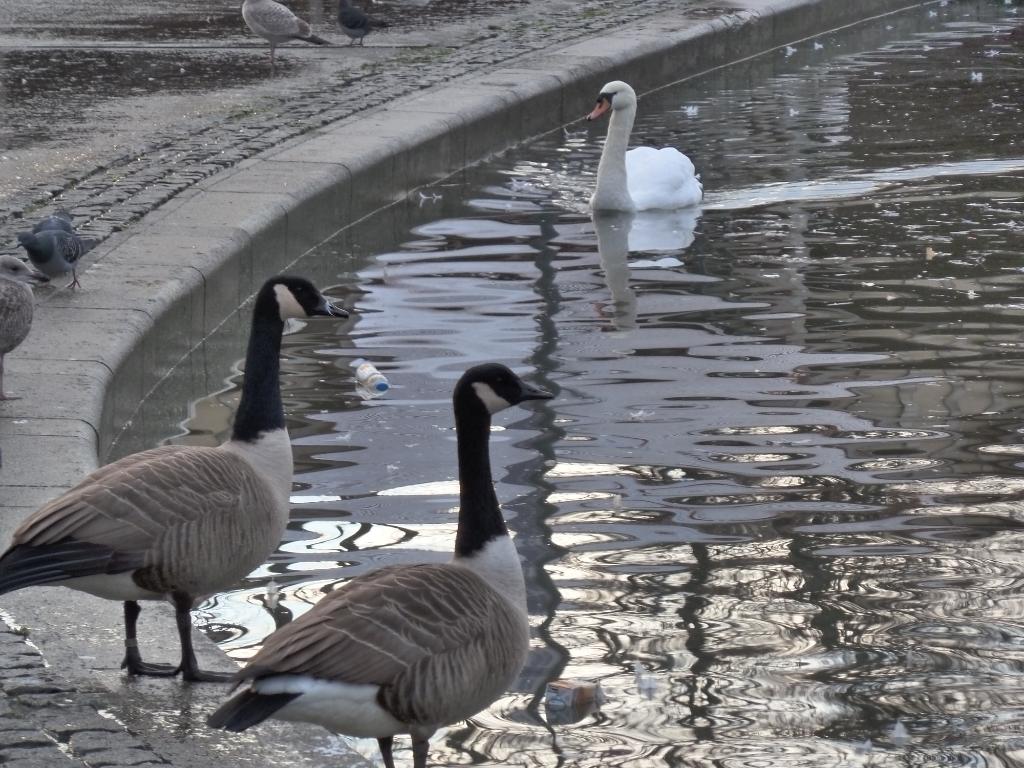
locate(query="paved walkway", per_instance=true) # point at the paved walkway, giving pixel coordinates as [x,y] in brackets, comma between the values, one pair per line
[47,722]
[52,715]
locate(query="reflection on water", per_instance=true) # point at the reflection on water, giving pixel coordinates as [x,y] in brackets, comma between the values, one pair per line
[774,509]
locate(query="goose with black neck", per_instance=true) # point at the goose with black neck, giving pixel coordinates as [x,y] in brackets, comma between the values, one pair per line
[409,648]
[178,523]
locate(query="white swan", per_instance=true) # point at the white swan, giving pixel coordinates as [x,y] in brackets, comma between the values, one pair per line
[643,178]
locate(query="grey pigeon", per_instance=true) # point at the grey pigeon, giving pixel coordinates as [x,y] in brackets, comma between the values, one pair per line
[16,277]
[355,23]
[58,220]
[55,252]
[277,24]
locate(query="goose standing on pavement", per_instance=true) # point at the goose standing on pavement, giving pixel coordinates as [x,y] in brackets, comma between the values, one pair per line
[355,23]
[16,279]
[276,24]
[178,522]
[643,178]
[409,648]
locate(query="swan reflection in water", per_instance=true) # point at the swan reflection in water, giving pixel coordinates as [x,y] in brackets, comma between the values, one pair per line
[620,233]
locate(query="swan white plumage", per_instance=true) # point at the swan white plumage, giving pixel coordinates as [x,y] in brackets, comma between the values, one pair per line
[643,178]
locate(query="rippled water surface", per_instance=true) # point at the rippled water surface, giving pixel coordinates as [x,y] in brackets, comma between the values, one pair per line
[774,509]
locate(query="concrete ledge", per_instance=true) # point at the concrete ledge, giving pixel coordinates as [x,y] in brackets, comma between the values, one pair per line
[95,354]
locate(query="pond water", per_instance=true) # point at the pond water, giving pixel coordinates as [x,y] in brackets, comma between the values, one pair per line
[774,509]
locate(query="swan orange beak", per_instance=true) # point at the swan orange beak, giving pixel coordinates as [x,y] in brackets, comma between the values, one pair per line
[603,105]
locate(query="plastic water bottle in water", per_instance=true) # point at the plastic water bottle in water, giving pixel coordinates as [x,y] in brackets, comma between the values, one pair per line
[368,376]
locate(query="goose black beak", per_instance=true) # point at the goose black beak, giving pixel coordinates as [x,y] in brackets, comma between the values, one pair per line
[530,392]
[38,278]
[326,309]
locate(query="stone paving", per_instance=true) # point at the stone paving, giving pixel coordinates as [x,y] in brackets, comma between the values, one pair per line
[46,721]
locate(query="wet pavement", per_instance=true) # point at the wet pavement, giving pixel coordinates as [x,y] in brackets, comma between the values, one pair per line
[112,109]
[47,720]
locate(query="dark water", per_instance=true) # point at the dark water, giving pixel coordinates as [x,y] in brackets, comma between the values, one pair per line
[775,507]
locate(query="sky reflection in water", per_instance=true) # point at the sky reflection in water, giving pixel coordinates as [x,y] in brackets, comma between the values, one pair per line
[774,506]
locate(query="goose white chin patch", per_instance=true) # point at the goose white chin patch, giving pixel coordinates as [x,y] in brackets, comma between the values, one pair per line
[287,304]
[492,401]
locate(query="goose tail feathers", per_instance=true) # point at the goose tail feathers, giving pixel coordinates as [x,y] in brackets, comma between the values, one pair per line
[27,566]
[248,708]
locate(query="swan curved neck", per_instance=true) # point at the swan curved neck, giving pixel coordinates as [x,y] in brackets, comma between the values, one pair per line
[612,190]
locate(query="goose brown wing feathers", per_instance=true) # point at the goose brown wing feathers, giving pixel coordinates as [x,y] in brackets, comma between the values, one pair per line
[138,502]
[385,626]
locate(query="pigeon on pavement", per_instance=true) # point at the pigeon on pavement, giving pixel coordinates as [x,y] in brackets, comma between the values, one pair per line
[56,252]
[59,219]
[355,23]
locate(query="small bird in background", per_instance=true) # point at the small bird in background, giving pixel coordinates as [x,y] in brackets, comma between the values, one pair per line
[277,24]
[355,23]
[54,247]
[16,279]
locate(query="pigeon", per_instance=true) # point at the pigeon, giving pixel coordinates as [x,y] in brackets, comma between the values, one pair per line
[16,279]
[355,23]
[277,24]
[55,252]
[58,220]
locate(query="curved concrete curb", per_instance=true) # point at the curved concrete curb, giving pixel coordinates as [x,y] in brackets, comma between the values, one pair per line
[154,292]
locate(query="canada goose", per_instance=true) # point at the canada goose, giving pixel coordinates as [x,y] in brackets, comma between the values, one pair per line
[643,178]
[276,24]
[409,648]
[178,522]
[16,277]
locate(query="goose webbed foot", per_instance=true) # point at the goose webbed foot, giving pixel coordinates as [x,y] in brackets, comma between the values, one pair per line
[134,665]
[205,676]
